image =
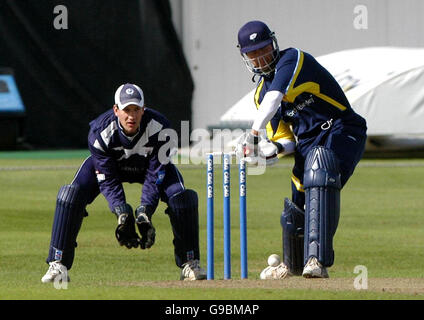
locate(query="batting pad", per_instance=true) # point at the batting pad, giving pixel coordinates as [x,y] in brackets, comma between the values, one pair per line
[322,199]
[67,222]
[293,221]
[184,216]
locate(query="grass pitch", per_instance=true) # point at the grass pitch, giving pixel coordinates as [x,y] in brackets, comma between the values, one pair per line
[381,227]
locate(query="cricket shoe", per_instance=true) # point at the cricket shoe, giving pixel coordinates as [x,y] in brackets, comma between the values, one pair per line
[279,272]
[56,270]
[192,271]
[314,269]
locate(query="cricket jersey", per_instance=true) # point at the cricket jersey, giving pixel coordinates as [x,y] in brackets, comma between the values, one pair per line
[118,158]
[313,102]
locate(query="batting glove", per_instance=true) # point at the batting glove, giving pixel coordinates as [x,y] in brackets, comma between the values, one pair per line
[247,145]
[269,151]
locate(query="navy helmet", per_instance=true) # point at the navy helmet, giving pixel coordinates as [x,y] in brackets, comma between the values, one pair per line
[256,35]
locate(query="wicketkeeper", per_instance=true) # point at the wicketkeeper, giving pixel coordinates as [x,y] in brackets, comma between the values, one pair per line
[126,146]
[300,101]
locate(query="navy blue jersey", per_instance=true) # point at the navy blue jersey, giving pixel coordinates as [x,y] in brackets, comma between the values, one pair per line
[118,158]
[313,101]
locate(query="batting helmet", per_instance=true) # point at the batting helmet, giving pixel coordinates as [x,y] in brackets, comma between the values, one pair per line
[256,35]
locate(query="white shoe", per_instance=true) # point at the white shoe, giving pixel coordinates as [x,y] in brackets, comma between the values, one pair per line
[192,271]
[279,272]
[314,269]
[56,269]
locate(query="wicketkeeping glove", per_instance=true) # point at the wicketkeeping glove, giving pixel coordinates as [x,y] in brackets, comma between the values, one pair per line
[143,216]
[125,231]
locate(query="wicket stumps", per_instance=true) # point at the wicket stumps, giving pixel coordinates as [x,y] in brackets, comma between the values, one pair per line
[243,219]
[226,163]
[226,187]
[210,218]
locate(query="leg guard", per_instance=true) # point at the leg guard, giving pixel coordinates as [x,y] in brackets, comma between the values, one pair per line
[293,222]
[184,216]
[70,210]
[322,199]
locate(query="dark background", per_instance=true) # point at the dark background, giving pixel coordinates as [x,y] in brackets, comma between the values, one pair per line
[68,77]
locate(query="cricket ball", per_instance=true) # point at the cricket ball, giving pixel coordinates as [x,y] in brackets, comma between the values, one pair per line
[273,260]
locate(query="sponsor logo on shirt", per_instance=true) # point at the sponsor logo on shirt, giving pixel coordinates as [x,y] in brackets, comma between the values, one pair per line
[130,169]
[300,106]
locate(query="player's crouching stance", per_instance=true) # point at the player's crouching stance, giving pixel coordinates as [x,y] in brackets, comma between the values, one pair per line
[297,97]
[124,145]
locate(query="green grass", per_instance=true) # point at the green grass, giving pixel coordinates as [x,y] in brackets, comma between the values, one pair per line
[381,227]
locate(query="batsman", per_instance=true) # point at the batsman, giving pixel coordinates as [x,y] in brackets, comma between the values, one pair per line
[302,109]
[126,145]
